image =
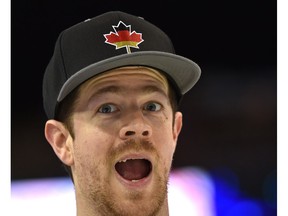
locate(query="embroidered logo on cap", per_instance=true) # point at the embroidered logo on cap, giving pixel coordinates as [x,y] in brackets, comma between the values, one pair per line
[122,37]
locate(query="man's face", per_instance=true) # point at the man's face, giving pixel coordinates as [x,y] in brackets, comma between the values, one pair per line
[124,142]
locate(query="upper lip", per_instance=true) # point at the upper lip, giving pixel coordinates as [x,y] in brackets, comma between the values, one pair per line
[134,156]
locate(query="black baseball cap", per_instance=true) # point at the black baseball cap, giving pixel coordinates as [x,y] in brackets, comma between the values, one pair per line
[112,40]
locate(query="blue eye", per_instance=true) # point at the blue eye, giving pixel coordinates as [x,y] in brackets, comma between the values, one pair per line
[107,108]
[152,106]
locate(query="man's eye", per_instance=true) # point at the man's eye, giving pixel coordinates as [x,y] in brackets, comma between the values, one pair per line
[153,106]
[107,108]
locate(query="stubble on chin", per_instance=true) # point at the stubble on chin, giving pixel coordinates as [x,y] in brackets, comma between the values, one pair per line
[133,202]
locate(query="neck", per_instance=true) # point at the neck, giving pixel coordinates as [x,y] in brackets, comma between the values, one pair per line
[85,208]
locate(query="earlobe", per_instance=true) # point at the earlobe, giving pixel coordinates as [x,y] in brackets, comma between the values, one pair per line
[177,125]
[60,140]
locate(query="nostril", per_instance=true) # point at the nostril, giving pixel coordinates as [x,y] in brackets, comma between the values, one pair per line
[129,133]
[145,133]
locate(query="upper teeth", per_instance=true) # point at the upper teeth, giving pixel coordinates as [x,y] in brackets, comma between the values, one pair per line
[123,161]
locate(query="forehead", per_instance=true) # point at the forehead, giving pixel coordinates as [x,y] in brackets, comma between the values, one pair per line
[137,73]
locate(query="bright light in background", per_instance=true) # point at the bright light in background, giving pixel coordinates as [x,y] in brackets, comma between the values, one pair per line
[43,197]
[191,192]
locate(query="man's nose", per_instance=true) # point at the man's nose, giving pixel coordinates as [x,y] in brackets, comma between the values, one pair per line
[136,126]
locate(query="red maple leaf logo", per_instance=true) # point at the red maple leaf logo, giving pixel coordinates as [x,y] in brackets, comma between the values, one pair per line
[123,37]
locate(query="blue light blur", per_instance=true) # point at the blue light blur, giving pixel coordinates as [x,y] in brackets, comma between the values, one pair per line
[229,201]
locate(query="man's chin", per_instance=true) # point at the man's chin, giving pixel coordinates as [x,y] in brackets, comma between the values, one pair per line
[147,196]
[140,204]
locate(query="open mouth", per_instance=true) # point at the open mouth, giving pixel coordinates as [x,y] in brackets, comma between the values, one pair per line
[134,169]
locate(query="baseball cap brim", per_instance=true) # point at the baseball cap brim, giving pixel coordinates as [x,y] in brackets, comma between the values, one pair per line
[184,72]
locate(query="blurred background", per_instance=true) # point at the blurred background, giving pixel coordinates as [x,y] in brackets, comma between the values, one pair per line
[230,127]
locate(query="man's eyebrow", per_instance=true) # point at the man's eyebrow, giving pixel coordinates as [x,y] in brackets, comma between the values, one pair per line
[108,89]
[146,89]
[151,89]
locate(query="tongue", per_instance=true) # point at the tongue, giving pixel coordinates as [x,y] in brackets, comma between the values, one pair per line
[133,169]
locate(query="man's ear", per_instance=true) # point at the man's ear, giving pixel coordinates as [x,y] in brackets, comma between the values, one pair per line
[177,125]
[61,141]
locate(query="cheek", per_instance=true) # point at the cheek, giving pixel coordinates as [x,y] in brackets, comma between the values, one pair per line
[165,144]
[90,147]
[90,137]
[90,150]
[90,144]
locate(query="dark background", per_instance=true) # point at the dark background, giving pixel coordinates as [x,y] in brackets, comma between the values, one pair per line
[230,114]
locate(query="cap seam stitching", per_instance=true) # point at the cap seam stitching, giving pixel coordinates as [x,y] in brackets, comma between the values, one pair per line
[62,55]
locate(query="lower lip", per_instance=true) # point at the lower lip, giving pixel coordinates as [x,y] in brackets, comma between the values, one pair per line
[137,184]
